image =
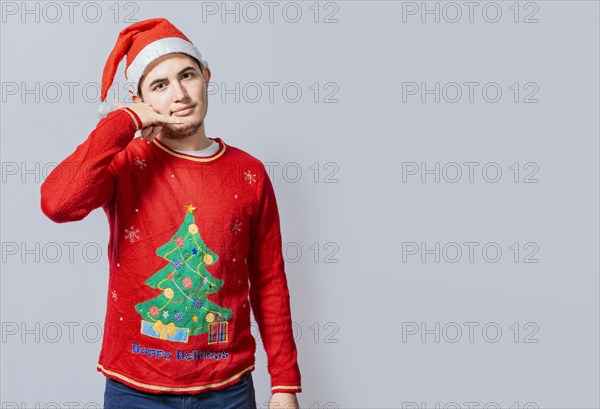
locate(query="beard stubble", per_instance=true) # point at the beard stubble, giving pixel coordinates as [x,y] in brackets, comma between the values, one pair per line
[172,131]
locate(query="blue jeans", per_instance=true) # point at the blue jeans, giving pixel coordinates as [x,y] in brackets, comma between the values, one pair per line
[237,396]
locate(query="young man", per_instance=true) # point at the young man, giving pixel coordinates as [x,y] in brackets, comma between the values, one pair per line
[195,239]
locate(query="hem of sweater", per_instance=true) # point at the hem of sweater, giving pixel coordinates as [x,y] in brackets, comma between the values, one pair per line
[286,389]
[154,388]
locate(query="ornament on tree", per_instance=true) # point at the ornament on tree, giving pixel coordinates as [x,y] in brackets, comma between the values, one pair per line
[153,311]
[169,293]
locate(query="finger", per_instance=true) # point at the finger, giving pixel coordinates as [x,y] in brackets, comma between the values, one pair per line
[147,130]
[151,131]
[155,132]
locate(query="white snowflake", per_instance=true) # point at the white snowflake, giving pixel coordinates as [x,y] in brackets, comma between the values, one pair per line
[131,234]
[140,163]
[114,295]
[235,226]
[166,314]
[250,177]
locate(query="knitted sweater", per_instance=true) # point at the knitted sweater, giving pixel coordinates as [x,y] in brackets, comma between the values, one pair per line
[195,243]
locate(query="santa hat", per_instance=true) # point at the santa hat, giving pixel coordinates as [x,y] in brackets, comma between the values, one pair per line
[142,43]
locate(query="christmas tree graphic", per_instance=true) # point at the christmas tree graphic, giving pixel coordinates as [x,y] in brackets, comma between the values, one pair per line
[182,308]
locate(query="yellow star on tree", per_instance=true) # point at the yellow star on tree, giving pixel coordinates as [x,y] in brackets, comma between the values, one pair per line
[191,208]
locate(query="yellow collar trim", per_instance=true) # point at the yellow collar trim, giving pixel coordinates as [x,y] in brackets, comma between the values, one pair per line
[222,149]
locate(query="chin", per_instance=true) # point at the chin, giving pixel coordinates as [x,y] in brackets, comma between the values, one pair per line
[182,131]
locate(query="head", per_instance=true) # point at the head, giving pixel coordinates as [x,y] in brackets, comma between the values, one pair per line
[174,81]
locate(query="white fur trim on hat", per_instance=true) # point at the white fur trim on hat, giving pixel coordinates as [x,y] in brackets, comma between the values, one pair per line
[157,49]
[105,107]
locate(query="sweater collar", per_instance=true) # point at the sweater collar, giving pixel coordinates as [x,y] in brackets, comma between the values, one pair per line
[222,148]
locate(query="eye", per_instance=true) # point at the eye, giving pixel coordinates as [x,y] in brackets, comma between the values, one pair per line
[158,85]
[189,74]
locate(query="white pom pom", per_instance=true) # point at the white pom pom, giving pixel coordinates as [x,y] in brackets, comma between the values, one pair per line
[105,108]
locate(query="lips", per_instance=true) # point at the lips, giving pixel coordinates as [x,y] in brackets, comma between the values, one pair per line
[184,111]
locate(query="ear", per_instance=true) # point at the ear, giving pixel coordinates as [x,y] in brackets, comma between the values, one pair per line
[206,73]
[136,98]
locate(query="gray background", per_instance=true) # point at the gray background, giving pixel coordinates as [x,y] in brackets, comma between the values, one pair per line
[355,299]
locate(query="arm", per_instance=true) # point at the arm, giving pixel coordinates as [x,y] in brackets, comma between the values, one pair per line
[269,295]
[83,181]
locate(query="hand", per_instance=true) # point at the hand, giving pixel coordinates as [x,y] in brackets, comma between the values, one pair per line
[281,400]
[152,121]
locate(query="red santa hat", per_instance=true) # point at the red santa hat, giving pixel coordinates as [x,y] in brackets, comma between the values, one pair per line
[142,43]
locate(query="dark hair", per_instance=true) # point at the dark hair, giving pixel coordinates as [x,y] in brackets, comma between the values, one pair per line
[139,88]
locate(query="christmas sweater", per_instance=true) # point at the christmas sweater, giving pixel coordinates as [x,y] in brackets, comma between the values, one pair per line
[194,245]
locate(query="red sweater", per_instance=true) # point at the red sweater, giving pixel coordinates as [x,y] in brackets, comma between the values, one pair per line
[195,243]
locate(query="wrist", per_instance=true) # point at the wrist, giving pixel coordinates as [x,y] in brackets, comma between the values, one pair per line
[135,118]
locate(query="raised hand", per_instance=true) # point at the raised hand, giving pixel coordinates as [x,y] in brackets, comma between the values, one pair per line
[152,121]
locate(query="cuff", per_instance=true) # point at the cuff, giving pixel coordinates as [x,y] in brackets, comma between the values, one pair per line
[136,119]
[286,388]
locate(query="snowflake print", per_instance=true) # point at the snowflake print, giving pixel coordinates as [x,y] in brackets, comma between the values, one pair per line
[250,177]
[114,295]
[140,163]
[131,234]
[235,226]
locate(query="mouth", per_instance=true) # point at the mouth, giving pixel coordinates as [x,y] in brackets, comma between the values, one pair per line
[184,111]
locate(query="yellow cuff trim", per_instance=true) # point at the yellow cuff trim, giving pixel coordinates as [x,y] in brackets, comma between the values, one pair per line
[132,118]
[286,387]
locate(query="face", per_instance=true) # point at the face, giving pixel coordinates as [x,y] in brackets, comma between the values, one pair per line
[172,82]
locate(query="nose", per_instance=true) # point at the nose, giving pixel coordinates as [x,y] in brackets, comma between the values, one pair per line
[179,92]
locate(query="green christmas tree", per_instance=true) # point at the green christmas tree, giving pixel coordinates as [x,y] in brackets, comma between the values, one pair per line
[182,308]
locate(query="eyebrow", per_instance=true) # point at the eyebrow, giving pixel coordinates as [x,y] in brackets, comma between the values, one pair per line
[164,79]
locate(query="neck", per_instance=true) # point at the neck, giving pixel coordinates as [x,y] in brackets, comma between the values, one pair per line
[194,142]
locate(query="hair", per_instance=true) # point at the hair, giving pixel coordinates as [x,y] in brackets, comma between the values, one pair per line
[201,64]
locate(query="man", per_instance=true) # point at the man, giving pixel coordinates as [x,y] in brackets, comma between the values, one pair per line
[194,242]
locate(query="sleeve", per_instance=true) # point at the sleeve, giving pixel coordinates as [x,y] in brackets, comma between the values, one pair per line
[83,181]
[269,294]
